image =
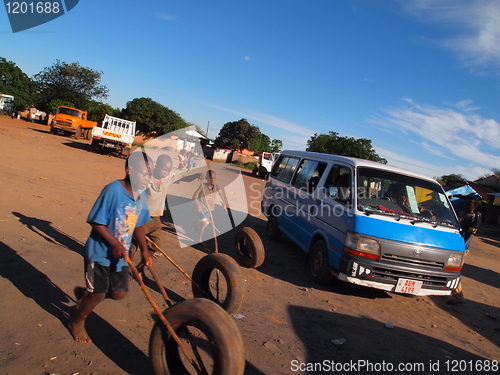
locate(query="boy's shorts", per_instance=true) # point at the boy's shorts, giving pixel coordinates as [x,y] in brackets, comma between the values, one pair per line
[100,279]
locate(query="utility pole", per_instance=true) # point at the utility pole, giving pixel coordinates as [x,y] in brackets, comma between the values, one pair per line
[208,127]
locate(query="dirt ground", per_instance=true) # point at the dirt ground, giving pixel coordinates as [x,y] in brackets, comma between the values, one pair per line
[48,184]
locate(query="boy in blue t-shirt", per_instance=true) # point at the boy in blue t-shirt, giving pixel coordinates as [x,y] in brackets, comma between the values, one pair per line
[118,215]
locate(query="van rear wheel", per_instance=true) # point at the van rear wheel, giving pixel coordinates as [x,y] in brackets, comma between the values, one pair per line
[317,267]
[272,230]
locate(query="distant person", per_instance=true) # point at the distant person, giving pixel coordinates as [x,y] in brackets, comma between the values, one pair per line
[182,159]
[397,193]
[13,115]
[32,116]
[156,193]
[119,214]
[204,199]
[469,223]
[190,159]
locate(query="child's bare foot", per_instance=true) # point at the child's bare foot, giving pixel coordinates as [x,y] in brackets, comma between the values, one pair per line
[78,332]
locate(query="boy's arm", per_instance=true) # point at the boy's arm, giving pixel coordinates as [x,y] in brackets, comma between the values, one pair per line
[116,246]
[140,236]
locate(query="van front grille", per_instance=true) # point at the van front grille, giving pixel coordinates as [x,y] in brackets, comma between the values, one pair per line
[395,275]
[412,261]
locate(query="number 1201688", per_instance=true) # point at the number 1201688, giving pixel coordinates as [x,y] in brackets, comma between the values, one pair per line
[32,7]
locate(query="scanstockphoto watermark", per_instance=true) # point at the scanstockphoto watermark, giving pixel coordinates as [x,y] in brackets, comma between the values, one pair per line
[299,202]
[25,15]
[449,365]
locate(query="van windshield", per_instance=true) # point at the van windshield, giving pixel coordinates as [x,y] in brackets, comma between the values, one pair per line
[404,197]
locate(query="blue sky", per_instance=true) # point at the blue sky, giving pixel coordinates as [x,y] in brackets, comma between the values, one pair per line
[420,78]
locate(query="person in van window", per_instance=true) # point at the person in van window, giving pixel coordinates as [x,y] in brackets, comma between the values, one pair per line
[397,193]
[469,222]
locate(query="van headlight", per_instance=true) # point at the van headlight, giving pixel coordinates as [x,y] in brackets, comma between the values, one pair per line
[361,246]
[455,262]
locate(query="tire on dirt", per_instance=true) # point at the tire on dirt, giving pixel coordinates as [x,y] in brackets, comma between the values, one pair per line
[202,273]
[272,230]
[87,134]
[263,172]
[249,247]
[78,133]
[219,334]
[317,264]
[94,146]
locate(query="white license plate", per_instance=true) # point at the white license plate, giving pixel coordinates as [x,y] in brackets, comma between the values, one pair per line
[408,286]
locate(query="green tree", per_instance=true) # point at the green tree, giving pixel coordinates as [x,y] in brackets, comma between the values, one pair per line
[450,179]
[276,145]
[346,146]
[152,116]
[239,135]
[98,110]
[51,107]
[13,81]
[71,83]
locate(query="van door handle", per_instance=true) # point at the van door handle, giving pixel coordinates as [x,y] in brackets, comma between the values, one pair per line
[318,201]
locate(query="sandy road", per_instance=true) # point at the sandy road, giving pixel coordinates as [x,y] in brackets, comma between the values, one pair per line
[48,186]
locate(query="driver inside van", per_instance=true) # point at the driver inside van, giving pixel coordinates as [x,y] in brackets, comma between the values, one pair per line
[397,193]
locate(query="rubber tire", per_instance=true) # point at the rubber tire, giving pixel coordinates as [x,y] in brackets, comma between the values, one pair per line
[272,230]
[249,247]
[317,265]
[231,273]
[263,173]
[214,322]
[87,134]
[78,133]
[94,146]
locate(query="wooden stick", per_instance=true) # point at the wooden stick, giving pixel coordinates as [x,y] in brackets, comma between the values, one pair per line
[162,289]
[160,314]
[178,267]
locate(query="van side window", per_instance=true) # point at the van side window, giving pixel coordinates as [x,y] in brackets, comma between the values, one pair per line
[285,169]
[308,175]
[338,184]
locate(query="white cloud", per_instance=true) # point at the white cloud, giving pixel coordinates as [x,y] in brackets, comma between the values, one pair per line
[267,119]
[247,58]
[447,131]
[478,41]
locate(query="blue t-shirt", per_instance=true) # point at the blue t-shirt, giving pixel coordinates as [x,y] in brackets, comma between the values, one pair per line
[121,214]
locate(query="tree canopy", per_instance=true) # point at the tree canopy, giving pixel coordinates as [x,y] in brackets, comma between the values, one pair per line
[152,116]
[346,146]
[13,81]
[450,179]
[98,110]
[71,83]
[276,145]
[239,135]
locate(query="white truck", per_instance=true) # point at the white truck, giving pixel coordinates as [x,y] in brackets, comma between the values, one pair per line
[266,162]
[114,134]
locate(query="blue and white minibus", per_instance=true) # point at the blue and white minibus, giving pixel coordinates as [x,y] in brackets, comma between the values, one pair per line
[365,223]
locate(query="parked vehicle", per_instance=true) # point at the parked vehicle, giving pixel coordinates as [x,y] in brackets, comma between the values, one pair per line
[72,121]
[114,134]
[365,223]
[266,162]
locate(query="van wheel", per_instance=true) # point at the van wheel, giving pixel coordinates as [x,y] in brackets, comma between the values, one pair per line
[263,173]
[219,277]
[208,334]
[272,230]
[317,267]
[249,247]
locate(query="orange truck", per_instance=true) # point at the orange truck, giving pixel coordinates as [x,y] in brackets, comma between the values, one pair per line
[72,121]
